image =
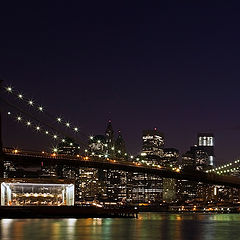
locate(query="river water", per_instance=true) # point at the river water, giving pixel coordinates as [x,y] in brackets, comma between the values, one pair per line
[161,226]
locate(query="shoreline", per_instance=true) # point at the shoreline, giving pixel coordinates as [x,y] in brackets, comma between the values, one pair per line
[65,212]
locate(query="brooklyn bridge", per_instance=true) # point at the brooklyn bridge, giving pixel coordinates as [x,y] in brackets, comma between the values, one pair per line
[94,177]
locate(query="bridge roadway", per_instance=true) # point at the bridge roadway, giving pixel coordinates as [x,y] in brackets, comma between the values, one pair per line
[37,159]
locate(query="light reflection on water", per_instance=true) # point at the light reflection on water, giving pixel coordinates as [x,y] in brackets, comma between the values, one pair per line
[160,226]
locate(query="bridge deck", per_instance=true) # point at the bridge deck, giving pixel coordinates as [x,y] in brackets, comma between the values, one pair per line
[37,159]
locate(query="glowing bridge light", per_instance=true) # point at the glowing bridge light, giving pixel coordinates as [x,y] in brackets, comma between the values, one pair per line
[9,89]
[20,96]
[91,137]
[37,128]
[75,129]
[67,124]
[46,132]
[28,123]
[63,140]
[9,113]
[19,118]
[55,149]
[40,108]
[30,102]
[55,136]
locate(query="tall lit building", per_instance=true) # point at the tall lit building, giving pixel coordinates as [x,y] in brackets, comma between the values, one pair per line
[188,161]
[106,145]
[97,145]
[201,158]
[170,157]
[120,147]
[195,159]
[109,133]
[206,143]
[153,142]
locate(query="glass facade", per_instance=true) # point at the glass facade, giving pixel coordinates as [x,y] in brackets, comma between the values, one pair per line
[30,194]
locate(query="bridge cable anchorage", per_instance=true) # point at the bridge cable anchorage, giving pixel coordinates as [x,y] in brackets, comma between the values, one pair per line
[30,102]
[39,125]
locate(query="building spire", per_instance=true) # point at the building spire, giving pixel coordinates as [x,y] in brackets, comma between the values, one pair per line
[109,131]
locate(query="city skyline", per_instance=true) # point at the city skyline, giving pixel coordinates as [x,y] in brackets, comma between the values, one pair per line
[119,120]
[170,66]
[45,141]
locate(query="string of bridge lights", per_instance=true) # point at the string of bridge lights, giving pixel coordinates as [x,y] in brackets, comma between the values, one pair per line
[40,108]
[37,127]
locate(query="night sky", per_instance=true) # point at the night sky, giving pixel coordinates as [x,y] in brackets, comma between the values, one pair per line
[143,65]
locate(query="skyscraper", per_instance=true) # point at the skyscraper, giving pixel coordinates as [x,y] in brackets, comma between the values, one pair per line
[206,143]
[153,142]
[109,133]
[120,147]
[97,145]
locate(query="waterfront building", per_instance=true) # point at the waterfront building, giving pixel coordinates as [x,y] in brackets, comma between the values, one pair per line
[89,186]
[37,192]
[186,191]
[169,190]
[146,188]
[170,160]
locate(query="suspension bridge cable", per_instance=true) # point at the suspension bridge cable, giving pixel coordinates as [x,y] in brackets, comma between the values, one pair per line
[53,129]
[40,108]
